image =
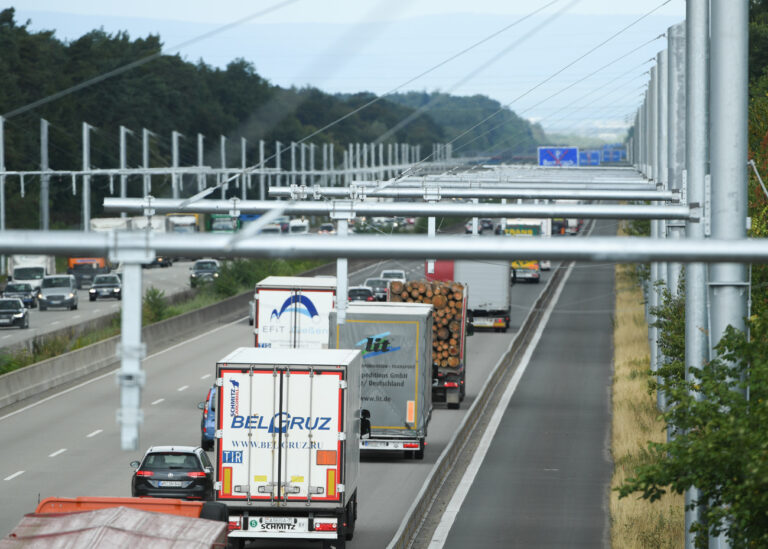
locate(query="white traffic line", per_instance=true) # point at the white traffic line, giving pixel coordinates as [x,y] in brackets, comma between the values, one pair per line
[14,475]
[6,336]
[96,311]
[76,316]
[112,372]
[158,401]
[206,376]
[93,434]
[55,322]
[57,452]
[183,388]
[454,506]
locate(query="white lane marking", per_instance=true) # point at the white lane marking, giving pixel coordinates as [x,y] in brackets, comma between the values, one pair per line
[14,475]
[206,376]
[55,322]
[183,388]
[454,506]
[76,316]
[96,311]
[57,452]
[6,337]
[158,401]
[93,434]
[112,372]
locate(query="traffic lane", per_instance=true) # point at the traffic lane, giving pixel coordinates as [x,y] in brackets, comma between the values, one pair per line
[176,382]
[94,465]
[545,479]
[169,280]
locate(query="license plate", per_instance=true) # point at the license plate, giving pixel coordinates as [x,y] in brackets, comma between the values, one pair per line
[483,322]
[278,524]
[105,292]
[169,484]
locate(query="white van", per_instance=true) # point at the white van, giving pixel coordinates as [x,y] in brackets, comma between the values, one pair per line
[298,226]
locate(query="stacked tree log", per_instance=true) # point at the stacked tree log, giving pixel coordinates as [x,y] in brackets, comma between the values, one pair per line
[446,299]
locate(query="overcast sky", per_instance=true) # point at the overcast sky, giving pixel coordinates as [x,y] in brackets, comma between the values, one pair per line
[379,45]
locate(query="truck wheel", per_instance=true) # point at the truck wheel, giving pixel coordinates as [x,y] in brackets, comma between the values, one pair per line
[235,543]
[419,454]
[42,307]
[453,405]
[92,298]
[351,517]
[214,510]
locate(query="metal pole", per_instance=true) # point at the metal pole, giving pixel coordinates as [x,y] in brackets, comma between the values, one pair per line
[262,183]
[175,162]
[86,178]
[312,163]
[145,160]
[302,163]
[676,140]
[243,166]
[201,183]
[293,163]
[223,155]
[697,147]
[45,180]
[660,171]
[331,165]
[341,274]
[278,178]
[124,163]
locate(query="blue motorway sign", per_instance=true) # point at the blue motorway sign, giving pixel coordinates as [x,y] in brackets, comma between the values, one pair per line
[558,156]
[590,158]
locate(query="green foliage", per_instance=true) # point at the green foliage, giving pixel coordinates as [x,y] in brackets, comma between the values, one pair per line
[155,306]
[719,443]
[670,320]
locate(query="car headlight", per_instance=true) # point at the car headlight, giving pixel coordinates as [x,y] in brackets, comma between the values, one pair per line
[215,275]
[40,296]
[18,315]
[92,291]
[71,295]
[193,275]
[115,290]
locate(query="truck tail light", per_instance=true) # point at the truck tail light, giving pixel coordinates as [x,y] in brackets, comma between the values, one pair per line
[326,457]
[144,473]
[451,384]
[233,524]
[411,445]
[325,526]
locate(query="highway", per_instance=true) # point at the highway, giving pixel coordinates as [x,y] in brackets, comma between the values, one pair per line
[544,481]
[68,445]
[170,280]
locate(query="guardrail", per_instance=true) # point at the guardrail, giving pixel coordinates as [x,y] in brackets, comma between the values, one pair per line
[422,504]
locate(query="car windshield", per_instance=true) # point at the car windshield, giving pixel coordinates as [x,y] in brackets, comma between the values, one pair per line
[205,266]
[106,279]
[271,230]
[10,305]
[171,460]
[223,224]
[326,227]
[18,288]
[298,229]
[85,267]
[58,282]
[376,283]
[29,273]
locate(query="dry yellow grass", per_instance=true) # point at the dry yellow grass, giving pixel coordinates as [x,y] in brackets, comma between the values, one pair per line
[636,523]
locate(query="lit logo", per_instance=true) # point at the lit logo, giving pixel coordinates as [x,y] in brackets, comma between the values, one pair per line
[234,398]
[299,304]
[375,345]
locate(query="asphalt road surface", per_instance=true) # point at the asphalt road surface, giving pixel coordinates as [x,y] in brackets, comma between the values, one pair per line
[69,445]
[170,280]
[544,482]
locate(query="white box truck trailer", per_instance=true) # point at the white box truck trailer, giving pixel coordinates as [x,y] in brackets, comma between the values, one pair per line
[30,269]
[395,340]
[291,312]
[287,442]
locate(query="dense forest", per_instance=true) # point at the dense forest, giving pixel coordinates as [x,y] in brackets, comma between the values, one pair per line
[169,93]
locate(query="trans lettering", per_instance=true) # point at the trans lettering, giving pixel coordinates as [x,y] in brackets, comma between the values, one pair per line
[288,422]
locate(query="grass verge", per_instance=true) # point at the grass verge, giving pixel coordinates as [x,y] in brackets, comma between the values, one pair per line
[236,277]
[635,522]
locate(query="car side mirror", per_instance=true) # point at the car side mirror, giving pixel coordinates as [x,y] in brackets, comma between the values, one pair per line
[201,405]
[365,424]
[208,470]
[135,464]
[470,329]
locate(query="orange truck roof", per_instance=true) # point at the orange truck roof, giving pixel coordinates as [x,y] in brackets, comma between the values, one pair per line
[156,505]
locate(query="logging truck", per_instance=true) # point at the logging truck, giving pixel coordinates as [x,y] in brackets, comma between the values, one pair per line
[449,331]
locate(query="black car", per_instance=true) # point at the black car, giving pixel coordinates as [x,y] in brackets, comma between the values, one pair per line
[159,261]
[106,286]
[182,472]
[13,313]
[203,271]
[23,291]
[360,293]
[380,287]
[486,224]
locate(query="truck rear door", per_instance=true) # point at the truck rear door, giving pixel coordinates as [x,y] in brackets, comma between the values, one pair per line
[281,434]
[293,318]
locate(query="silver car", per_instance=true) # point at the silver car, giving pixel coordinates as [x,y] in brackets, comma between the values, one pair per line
[58,291]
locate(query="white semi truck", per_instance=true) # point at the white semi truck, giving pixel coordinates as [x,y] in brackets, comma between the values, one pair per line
[287,443]
[291,312]
[30,269]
